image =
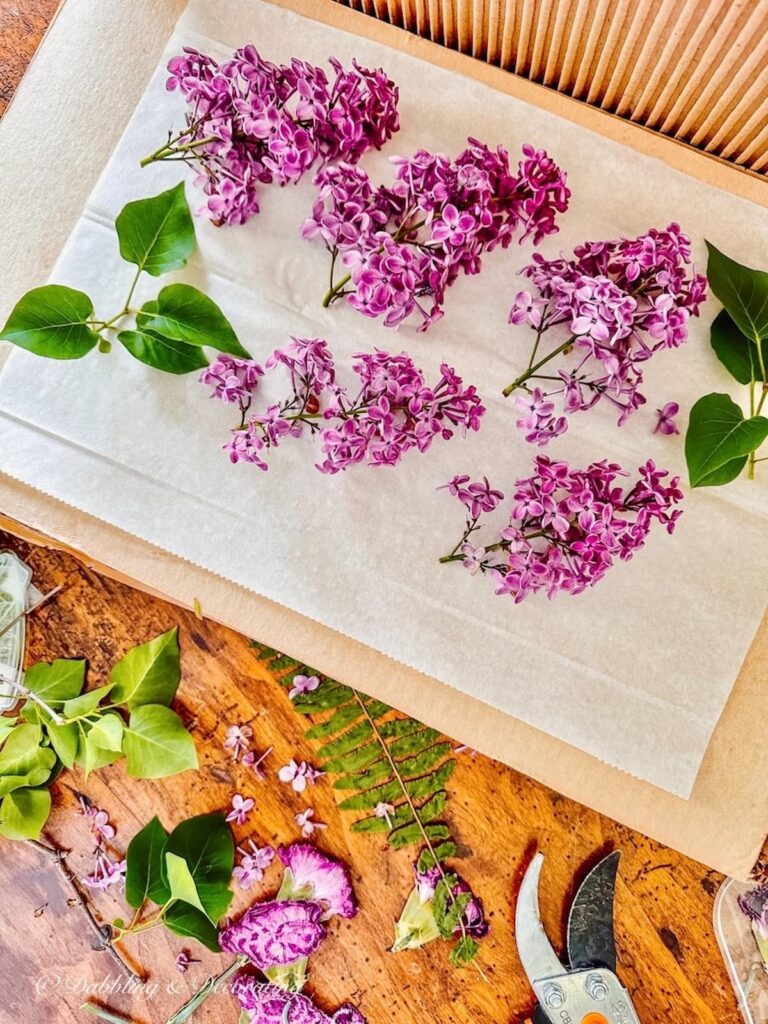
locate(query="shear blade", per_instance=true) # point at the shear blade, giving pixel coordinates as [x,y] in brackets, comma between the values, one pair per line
[537,955]
[590,939]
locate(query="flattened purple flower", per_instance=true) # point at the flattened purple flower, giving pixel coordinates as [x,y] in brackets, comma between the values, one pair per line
[268,1004]
[276,933]
[325,878]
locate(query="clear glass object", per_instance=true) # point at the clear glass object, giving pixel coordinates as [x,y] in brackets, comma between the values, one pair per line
[15,577]
[738,944]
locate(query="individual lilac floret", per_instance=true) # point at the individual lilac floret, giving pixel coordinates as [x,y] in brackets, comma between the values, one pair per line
[665,423]
[566,526]
[391,410]
[276,933]
[232,380]
[402,246]
[250,122]
[268,1004]
[612,305]
[325,879]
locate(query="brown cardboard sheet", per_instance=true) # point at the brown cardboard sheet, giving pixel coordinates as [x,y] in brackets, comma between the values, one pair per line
[53,144]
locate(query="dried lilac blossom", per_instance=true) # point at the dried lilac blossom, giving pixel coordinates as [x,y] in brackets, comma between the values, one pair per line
[250,760]
[665,423]
[611,307]
[306,824]
[241,808]
[252,865]
[106,871]
[566,527]
[303,684]
[237,739]
[276,933]
[325,880]
[250,122]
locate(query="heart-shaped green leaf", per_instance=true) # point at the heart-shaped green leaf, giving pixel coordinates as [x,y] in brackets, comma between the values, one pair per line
[86,702]
[157,744]
[735,352]
[52,321]
[144,866]
[719,440]
[742,290]
[24,812]
[184,313]
[91,754]
[149,673]
[64,740]
[163,353]
[157,233]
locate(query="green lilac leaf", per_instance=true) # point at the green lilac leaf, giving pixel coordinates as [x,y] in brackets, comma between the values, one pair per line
[157,233]
[20,749]
[189,922]
[180,881]
[144,866]
[7,725]
[184,313]
[156,743]
[91,754]
[52,321]
[59,680]
[162,353]
[86,702]
[205,843]
[64,740]
[107,732]
[718,436]
[149,673]
[734,351]
[24,813]
[742,290]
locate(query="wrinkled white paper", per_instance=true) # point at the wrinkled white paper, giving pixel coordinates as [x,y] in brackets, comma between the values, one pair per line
[635,672]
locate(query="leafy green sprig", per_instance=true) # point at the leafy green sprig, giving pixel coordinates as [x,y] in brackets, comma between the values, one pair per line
[395,770]
[61,725]
[721,440]
[179,879]
[169,332]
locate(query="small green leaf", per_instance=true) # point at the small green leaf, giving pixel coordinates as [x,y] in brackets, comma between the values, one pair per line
[734,351]
[162,353]
[156,743]
[719,438]
[184,313]
[180,881]
[86,702]
[52,321]
[743,292]
[189,922]
[64,740]
[90,752]
[149,673]
[157,233]
[205,843]
[144,866]
[59,680]
[464,952]
[107,732]
[24,813]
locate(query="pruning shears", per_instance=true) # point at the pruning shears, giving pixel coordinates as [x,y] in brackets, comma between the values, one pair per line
[586,990]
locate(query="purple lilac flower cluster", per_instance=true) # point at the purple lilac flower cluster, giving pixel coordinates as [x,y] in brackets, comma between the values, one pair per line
[270,1004]
[566,526]
[618,302]
[404,245]
[391,411]
[250,122]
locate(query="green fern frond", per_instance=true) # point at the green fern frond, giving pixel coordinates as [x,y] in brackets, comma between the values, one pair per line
[395,770]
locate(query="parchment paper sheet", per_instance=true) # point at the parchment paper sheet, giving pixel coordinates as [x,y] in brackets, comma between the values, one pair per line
[636,672]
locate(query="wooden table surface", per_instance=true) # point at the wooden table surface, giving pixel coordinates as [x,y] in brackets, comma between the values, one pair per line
[668,956]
